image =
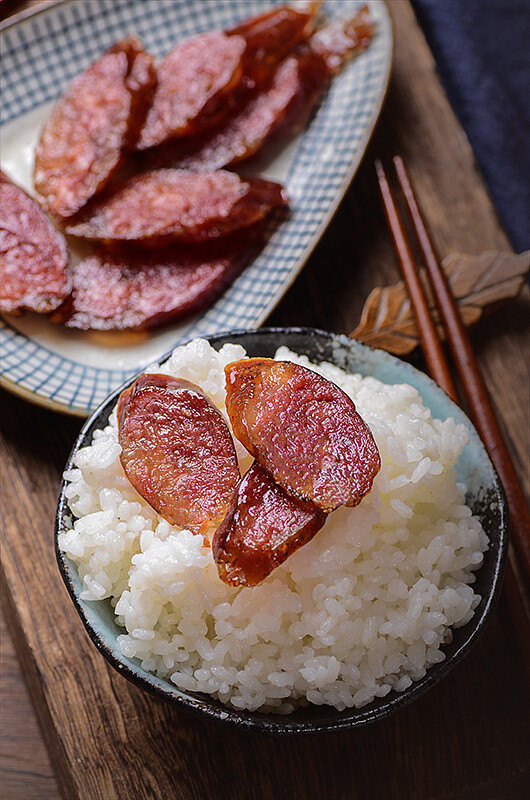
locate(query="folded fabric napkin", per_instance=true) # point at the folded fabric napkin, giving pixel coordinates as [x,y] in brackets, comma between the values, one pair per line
[482,50]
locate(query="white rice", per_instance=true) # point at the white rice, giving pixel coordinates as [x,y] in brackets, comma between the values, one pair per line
[364,608]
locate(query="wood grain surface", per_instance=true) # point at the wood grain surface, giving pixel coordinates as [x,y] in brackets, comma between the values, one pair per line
[468,738]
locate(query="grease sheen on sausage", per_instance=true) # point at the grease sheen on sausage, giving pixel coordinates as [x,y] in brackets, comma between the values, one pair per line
[177,451]
[263,526]
[303,430]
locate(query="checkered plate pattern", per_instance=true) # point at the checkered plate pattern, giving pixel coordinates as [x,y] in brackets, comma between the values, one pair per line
[42,53]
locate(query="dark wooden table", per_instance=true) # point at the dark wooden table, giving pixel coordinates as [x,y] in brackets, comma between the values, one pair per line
[468,738]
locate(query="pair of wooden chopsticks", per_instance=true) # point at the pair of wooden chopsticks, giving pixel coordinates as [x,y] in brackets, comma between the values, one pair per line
[473,388]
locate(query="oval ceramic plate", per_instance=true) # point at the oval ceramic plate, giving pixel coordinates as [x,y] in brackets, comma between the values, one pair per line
[485,496]
[72,371]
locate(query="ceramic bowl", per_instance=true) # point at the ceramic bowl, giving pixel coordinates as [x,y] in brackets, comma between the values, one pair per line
[485,496]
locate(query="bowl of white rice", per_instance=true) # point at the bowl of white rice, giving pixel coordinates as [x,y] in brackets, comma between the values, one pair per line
[374,610]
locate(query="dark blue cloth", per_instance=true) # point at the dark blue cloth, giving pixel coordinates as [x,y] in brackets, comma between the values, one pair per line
[482,51]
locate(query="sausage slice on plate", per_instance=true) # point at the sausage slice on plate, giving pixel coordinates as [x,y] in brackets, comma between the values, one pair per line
[193,81]
[202,78]
[33,254]
[280,109]
[92,126]
[282,106]
[272,35]
[135,288]
[340,40]
[303,430]
[171,205]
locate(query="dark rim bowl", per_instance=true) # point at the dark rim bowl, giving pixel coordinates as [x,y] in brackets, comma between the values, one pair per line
[485,496]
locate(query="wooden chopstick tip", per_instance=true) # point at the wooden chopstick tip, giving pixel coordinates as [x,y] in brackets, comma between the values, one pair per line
[399,164]
[380,170]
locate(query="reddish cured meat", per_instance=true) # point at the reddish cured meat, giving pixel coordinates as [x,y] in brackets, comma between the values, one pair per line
[193,81]
[263,526]
[281,109]
[33,254]
[170,205]
[303,430]
[201,79]
[271,36]
[177,451]
[92,125]
[340,40]
[283,106]
[137,290]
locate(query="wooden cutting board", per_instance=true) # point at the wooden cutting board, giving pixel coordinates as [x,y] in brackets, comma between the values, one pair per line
[468,738]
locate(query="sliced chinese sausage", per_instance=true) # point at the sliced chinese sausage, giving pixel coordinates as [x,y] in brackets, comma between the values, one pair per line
[340,40]
[303,430]
[271,36]
[177,451]
[193,80]
[280,109]
[263,526]
[33,254]
[136,289]
[201,79]
[170,205]
[92,126]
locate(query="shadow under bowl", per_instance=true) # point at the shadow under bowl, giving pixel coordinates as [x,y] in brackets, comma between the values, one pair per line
[485,495]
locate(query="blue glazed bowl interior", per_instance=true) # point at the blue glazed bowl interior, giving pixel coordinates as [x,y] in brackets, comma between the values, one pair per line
[485,496]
